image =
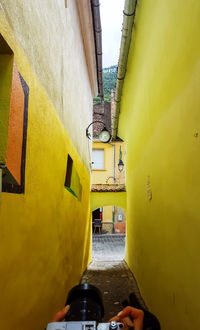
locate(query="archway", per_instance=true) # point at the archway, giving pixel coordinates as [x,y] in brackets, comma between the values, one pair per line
[109,219]
[109,242]
[100,199]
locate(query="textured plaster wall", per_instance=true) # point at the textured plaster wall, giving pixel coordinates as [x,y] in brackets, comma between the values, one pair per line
[108,198]
[45,233]
[50,36]
[159,120]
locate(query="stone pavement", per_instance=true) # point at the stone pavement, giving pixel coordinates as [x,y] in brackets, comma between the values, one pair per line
[108,247]
[110,273]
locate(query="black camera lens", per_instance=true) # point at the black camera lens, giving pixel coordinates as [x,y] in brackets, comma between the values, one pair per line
[85,302]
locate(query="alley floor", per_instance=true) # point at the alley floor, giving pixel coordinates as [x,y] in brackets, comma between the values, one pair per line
[109,272]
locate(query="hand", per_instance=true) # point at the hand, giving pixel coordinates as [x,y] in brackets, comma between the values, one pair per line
[60,316]
[124,316]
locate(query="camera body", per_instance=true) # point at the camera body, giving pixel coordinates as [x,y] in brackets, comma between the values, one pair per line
[84,325]
[86,304]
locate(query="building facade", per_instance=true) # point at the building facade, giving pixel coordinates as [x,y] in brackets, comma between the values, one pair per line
[106,176]
[159,121]
[46,103]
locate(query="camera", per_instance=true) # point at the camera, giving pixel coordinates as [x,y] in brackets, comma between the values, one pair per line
[87,325]
[86,311]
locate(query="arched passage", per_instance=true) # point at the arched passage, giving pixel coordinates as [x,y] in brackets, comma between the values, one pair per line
[100,199]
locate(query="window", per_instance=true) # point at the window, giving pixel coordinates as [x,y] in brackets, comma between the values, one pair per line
[69,172]
[14,95]
[98,159]
[72,180]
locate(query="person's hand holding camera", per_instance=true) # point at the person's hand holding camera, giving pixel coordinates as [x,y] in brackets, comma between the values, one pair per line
[60,316]
[130,317]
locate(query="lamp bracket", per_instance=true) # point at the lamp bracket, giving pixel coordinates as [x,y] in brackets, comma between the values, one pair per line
[87,129]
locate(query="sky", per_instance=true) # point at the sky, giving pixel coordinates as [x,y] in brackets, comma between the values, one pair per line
[111,22]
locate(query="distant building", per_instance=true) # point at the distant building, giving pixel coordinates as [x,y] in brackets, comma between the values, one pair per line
[105,172]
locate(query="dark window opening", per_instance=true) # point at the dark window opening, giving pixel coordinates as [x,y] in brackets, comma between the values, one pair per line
[72,180]
[69,172]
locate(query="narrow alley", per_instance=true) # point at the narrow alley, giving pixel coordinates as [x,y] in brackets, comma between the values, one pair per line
[109,272]
[100,158]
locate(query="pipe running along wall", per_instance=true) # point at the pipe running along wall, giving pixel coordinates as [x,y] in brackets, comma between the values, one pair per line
[128,21]
[98,44]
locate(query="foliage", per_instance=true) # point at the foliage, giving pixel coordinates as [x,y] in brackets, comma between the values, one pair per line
[109,81]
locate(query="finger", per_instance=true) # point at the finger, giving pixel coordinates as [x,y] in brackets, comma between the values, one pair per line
[125,327]
[127,321]
[131,311]
[61,314]
[115,318]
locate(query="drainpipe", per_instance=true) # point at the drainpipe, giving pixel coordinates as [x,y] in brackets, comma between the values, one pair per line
[113,211]
[0,183]
[113,145]
[95,5]
[128,21]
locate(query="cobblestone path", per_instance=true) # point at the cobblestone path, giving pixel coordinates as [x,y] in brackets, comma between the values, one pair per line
[108,247]
[111,275]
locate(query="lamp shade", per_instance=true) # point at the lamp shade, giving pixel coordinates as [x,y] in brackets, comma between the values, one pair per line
[104,136]
[120,165]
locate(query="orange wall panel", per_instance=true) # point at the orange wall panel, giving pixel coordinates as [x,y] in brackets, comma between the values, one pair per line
[15,130]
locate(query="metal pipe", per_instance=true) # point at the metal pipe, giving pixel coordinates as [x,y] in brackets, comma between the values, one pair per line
[128,21]
[95,5]
[113,145]
[0,183]
[114,180]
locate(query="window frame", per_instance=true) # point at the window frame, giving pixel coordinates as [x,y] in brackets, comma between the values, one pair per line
[101,169]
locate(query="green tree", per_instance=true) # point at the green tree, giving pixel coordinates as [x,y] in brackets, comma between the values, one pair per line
[109,81]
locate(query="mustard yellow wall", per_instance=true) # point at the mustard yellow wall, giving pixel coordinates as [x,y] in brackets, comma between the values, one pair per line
[45,233]
[160,122]
[107,213]
[106,175]
[100,199]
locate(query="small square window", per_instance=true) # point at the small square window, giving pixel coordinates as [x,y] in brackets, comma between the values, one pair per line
[98,159]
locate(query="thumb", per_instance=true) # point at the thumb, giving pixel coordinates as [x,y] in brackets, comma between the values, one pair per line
[61,314]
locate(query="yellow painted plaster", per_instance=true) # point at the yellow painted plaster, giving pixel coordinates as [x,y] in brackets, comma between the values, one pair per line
[50,36]
[107,213]
[45,233]
[100,199]
[159,120]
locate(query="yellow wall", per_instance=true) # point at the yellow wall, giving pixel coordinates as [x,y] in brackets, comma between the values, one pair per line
[51,38]
[108,213]
[100,199]
[159,121]
[45,233]
[106,175]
